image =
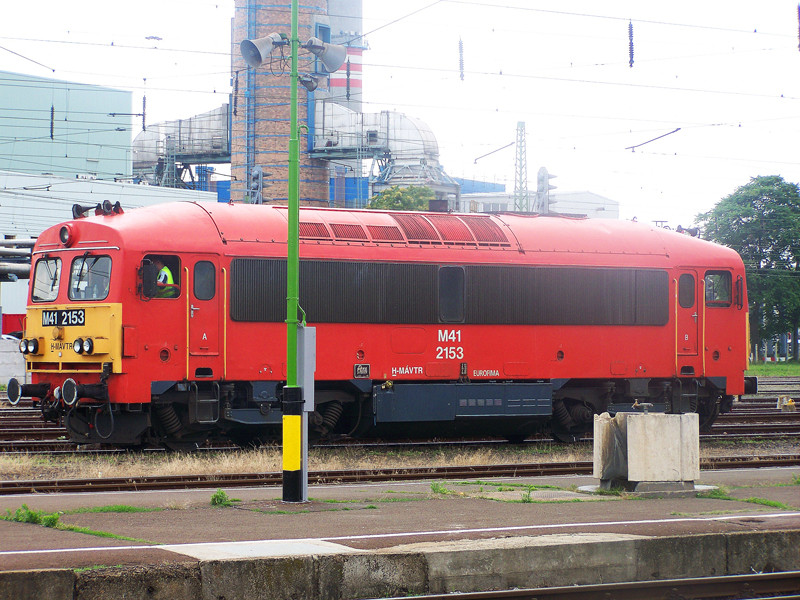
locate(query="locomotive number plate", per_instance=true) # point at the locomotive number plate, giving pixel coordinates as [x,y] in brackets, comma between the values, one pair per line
[64,318]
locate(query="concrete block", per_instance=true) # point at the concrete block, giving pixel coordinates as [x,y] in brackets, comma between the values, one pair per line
[663,447]
[633,449]
[53,584]
[160,582]
[610,456]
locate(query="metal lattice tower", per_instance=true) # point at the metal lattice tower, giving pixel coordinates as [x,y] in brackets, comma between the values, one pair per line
[522,201]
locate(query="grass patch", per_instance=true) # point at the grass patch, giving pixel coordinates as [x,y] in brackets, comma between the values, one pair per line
[508,487]
[396,499]
[112,508]
[705,513]
[52,520]
[722,493]
[770,503]
[775,369]
[95,568]
[220,498]
[103,534]
[279,511]
[438,488]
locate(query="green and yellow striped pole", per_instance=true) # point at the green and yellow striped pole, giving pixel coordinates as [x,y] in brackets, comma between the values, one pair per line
[294,488]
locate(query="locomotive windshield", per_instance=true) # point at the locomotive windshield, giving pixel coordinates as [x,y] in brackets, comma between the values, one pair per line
[45,280]
[89,278]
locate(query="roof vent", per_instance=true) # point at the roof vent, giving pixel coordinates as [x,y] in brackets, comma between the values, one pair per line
[417,228]
[348,231]
[314,230]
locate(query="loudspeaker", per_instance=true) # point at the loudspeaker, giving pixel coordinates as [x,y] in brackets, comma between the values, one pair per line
[255,52]
[331,55]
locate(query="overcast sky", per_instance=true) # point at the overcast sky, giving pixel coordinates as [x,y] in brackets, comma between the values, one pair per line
[725,72]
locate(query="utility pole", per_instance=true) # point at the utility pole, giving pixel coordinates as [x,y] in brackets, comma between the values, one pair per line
[298,370]
[522,202]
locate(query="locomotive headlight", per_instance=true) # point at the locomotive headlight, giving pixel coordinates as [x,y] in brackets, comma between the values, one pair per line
[33,346]
[88,346]
[65,235]
[77,345]
[23,346]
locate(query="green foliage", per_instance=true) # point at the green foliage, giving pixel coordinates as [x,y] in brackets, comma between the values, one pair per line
[36,517]
[766,502]
[761,221]
[438,488]
[50,520]
[718,493]
[403,198]
[220,498]
[775,369]
[112,508]
[722,493]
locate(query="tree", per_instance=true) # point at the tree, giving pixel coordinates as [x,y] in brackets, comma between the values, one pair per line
[761,221]
[403,198]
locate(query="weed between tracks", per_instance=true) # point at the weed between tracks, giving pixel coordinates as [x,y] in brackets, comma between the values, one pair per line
[268,459]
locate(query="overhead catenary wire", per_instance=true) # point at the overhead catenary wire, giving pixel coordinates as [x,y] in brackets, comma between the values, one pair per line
[500,5]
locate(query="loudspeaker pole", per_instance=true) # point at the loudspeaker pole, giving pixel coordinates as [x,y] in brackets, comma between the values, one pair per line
[293,442]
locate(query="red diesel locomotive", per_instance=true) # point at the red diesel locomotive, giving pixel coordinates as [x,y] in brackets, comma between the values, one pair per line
[427,323]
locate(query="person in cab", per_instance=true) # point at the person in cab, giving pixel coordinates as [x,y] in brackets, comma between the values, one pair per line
[164,280]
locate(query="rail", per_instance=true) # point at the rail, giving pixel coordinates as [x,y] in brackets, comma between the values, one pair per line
[231,480]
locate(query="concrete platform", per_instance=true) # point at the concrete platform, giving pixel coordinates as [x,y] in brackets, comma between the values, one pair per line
[383,540]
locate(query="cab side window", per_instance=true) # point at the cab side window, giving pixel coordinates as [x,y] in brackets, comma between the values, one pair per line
[167,269]
[718,288]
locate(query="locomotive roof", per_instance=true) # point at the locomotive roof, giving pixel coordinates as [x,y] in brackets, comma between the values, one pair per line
[209,227]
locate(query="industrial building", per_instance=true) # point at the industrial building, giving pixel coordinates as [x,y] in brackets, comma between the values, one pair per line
[63,128]
[347,155]
[67,143]
[63,143]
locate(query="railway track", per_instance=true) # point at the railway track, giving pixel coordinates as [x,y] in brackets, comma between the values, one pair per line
[233,480]
[23,430]
[755,585]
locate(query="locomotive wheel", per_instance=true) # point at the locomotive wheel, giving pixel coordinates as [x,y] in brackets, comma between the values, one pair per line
[707,418]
